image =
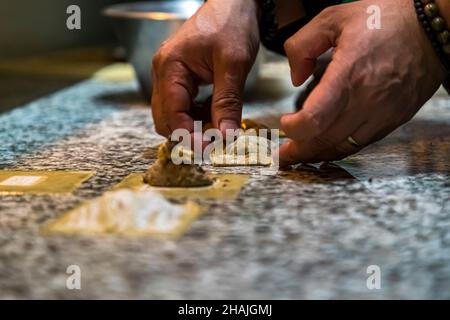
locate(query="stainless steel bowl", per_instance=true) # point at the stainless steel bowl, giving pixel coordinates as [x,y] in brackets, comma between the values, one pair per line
[141,27]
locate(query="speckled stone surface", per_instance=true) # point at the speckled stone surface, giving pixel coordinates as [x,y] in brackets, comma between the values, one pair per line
[300,234]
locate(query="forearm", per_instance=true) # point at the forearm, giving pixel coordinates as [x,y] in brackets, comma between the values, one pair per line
[238,6]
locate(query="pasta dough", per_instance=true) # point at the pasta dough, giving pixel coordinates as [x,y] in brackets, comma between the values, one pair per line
[164,173]
[129,213]
[247,150]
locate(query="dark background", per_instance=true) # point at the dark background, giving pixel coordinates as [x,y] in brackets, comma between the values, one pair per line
[29,27]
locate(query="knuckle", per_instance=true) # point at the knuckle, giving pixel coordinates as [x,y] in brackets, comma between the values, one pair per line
[228,100]
[164,43]
[284,122]
[238,57]
[227,92]
[241,58]
[157,58]
[316,123]
[161,57]
[290,44]
[329,12]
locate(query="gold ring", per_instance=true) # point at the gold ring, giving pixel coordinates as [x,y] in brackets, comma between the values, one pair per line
[353,142]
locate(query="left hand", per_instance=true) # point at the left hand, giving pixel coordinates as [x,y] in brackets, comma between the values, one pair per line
[377,80]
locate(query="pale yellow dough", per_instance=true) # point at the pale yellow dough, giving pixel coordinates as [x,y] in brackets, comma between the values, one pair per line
[247,150]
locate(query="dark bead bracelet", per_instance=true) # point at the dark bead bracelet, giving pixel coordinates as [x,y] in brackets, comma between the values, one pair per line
[436,29]
[272,35]
[268,25]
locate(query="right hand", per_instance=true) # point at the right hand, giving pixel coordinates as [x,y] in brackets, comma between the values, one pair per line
[218,46]
[376,81]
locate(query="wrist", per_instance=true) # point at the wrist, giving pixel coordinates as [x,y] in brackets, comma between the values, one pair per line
[238,7]
[428,19]
[434,17]
[251,5]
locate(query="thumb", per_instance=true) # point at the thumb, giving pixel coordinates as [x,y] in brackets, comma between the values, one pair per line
[323,106]
[229,83]
[290,153]
[310,42]
[330,97]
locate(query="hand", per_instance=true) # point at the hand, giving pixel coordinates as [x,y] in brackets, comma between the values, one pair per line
[377,79]
[218,45]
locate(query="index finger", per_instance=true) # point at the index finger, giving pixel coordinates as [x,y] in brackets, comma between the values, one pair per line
[175,89]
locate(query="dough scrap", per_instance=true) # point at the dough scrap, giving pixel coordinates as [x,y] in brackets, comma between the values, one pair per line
[164,173]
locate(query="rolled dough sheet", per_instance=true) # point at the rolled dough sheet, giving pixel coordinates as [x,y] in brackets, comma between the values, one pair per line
[225,187]
[41,182]
[127,213]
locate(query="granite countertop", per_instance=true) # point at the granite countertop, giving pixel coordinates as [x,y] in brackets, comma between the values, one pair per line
[302,234]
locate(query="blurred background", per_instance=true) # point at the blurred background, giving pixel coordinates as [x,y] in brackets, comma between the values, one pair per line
[39,54]
[30,27]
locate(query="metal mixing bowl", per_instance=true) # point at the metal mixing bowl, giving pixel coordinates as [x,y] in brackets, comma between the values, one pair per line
[141,27]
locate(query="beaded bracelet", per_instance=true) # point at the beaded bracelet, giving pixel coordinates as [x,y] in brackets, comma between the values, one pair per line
[272,36]
[268,25]
[436,29]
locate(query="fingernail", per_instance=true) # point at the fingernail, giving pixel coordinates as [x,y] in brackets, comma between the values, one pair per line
[227,124]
